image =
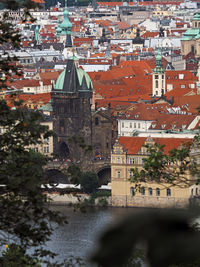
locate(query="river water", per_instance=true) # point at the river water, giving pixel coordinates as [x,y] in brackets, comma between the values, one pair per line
[79,237]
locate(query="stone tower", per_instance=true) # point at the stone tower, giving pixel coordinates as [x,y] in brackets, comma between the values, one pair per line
[71,102]
[158,79]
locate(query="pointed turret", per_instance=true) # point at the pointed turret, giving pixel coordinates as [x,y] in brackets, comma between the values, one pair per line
[66,27]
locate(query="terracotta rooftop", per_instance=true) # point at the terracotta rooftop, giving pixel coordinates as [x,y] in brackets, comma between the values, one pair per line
[134,144]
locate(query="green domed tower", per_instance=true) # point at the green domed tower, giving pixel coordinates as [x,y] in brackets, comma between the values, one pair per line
[71,102]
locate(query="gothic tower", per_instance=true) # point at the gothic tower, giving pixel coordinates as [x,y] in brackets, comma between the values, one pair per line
[71,102]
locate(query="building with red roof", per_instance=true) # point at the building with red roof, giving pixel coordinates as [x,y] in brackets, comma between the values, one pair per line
[128,155]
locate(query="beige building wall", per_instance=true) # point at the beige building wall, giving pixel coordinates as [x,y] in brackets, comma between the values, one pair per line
[186,47]
[46,148]
[148,194]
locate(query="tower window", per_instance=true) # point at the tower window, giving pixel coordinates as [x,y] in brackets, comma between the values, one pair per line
[192,49]
[156,84]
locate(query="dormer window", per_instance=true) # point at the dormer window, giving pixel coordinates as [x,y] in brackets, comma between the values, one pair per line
[153,125]
[163,126]
[183,126]
[173,126]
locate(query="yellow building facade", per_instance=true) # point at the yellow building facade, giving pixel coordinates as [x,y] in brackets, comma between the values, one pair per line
[124,159]
[46,147]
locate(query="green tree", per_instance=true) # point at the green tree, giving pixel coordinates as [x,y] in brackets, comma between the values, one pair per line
[89,182]
[25,219]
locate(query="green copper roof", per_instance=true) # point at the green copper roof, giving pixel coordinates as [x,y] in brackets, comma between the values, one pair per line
[159,67]
[36,32]
[81,74]
[58,30]
[190,34]
[197,36]
[73,58]
[60,81]
[196,16]
[66,25]
[192,31]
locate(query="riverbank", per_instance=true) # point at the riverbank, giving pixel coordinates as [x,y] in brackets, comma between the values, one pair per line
[74,199]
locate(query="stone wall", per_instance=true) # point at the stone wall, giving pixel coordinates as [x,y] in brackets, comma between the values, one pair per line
[150,202]
[68,199]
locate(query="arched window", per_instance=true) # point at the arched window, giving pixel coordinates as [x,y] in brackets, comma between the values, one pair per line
[157,192]
[142,191]
[132,191]
[168,192]
[118,174]
[150,191]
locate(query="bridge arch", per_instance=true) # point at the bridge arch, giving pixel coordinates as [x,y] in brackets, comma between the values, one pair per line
[104,175]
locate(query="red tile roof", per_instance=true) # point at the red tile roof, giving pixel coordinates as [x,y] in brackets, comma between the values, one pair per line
[31,99]
[134,144]
[38,1]
[150,34]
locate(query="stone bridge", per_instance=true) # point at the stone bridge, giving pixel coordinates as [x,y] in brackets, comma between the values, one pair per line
[100,167]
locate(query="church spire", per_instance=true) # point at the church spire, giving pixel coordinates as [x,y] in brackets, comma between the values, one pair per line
[66,25]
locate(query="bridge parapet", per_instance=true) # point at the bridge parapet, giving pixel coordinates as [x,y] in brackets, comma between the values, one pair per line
[95,166]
